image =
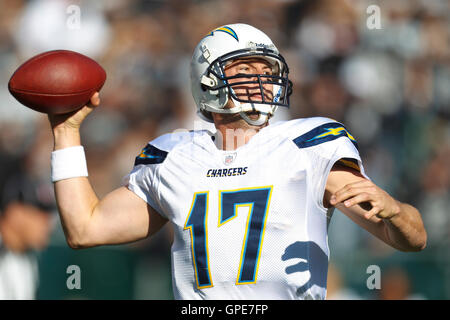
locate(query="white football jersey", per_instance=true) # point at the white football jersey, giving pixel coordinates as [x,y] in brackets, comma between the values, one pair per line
[248,223]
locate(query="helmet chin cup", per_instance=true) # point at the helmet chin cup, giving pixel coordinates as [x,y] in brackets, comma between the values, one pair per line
[264,110]
[262,119]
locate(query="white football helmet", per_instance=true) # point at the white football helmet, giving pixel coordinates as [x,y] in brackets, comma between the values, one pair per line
[210,87]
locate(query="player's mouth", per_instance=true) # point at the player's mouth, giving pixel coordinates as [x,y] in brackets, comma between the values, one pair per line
[257,97]
[254,95]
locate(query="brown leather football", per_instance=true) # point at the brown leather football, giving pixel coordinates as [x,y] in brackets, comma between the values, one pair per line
[57,82]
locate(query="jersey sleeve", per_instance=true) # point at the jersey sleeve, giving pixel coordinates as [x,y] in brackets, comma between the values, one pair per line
[326,143]
[143,179]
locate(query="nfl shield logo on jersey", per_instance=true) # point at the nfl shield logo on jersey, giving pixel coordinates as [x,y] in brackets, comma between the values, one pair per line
[229,158]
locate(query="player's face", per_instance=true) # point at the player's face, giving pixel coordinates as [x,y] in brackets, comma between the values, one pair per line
[251,91]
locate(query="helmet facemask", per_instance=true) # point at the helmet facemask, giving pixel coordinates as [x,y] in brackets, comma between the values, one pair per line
[218,83]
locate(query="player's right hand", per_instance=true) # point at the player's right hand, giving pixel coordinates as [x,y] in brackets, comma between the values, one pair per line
[72,121]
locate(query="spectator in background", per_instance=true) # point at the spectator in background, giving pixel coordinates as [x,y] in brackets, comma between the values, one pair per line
[25,226]
[336,286]
[396,285]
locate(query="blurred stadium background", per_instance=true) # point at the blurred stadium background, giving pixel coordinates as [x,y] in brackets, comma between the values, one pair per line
[389,86]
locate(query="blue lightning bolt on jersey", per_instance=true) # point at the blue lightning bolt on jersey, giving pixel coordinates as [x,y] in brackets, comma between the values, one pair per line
[250,223]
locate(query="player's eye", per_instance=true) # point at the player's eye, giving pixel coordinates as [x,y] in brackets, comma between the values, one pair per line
[243,69]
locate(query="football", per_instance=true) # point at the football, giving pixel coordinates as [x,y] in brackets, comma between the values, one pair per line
[57,82]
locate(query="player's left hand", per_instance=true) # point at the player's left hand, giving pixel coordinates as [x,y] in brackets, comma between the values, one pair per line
[365,191]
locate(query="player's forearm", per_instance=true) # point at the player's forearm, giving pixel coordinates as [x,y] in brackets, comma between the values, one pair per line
[76,202]
[75,197]
[406,230]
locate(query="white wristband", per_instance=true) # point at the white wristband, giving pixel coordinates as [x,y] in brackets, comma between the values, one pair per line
[68,163]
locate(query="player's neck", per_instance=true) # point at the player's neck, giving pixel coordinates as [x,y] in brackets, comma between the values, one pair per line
[233,131]
[232,136]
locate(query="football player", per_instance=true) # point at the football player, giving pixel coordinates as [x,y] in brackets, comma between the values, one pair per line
[248,202]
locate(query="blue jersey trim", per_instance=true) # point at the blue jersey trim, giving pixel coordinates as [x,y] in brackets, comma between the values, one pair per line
[150,155]
[324,133]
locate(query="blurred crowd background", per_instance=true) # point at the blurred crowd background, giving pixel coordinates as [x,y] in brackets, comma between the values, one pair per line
[389,86]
